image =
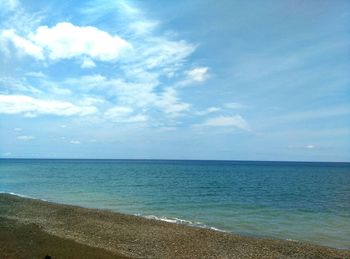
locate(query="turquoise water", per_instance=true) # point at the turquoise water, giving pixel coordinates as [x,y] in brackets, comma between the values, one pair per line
[298,201]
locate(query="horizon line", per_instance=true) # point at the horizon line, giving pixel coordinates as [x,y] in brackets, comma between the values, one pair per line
[174,159]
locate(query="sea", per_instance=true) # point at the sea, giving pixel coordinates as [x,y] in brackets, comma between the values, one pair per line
[296,201]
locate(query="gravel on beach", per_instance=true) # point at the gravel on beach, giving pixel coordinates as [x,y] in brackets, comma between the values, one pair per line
[29,226]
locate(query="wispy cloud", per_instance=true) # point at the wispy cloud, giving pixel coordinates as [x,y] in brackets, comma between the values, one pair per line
[74,142]
[234,105]
[123,115]
[236,121]
[143,27]
[147,58]
[25,138]
[31,107]
[198,74]
[23,44]
[309,146]
[36,74]
[10,85]
[9,4]
[18,18]
[170,104]
[88,63]
[194,76]
[130,70]
[142,94]
[208,111]
[304,147]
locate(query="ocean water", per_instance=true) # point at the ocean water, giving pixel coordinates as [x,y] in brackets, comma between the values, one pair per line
[285,200]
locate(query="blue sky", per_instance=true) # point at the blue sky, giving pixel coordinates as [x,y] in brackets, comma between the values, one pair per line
[240,80]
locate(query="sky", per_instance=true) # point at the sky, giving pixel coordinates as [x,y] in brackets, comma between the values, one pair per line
[199,79]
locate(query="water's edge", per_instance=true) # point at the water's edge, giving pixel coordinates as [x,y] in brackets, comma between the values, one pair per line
[176,221]
[163,218]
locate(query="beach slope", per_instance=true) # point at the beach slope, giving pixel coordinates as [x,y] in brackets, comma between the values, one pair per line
[31,228]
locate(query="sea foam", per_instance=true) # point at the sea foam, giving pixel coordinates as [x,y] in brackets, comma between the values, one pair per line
[181,221]
[23,196]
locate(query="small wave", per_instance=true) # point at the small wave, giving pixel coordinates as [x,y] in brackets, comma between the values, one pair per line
[180,221]
[218,229]
[23,196]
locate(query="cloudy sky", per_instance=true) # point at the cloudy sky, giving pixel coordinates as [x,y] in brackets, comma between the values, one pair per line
[199,79]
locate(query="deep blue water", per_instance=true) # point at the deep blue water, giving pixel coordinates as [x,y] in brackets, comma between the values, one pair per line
[289,200]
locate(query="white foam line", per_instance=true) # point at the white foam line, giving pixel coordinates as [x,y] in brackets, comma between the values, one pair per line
[292,240]
[23,196]
[180,221]
[165,219]
[218,229]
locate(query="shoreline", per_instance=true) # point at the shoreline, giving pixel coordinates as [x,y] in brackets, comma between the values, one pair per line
[136,236]
[180,221]
[154,217]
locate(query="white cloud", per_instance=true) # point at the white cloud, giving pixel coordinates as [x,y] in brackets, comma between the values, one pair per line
[164,53]
[123,114]
[65,41]
[194,76]
[17,129]
[9,4]
[310,146]
[208,110]
[128,9]
[31,107]
[170,104]
[75,142]
[147,59]
[133,94]
[143,27]
[10,85]
[18,18]
[153,51]
[25,138]
[36,74]
[236,121]
[88,63]
[136,118]
[198,74]
[90,100]
[139,95]
[117,112]
[23,44]
[234,105]
[89,82]
[53,88]
[63,126]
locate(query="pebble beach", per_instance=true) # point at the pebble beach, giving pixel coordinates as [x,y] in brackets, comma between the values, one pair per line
[61,230]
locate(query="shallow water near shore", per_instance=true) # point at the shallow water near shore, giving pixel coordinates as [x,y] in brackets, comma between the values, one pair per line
[286,200]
